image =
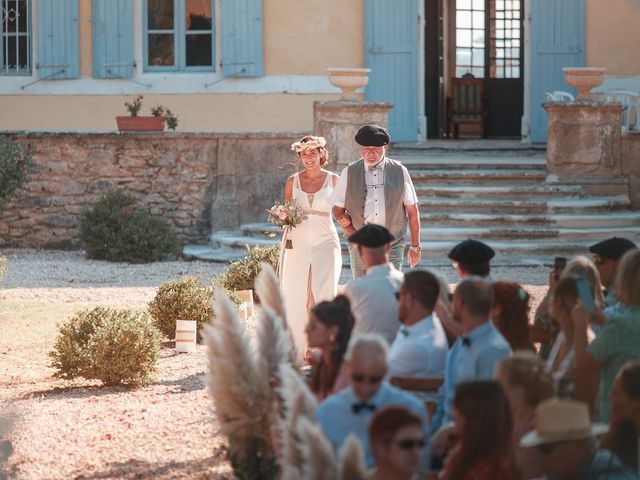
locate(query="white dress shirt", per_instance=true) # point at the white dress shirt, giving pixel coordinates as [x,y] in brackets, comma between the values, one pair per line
[419,350]
[373,301]
[374,210]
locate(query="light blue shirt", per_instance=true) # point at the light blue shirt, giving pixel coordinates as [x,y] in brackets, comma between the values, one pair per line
[337,419]
[472,357]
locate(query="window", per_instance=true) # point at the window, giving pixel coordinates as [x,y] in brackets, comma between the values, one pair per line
[494,41]
[179,35]
[15,36]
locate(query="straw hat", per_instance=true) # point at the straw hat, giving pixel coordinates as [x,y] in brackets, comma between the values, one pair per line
[559,420]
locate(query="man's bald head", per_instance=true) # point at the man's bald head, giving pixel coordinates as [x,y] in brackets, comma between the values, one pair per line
[472,301]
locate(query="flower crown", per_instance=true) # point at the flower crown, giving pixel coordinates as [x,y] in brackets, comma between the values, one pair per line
[311,144]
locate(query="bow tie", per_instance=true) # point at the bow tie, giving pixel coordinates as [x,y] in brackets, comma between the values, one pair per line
[404,331]
[375,167]
[358,407]
[466,342]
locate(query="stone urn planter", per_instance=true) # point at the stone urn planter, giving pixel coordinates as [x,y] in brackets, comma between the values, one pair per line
[140,124]
[349,79]
[583,79]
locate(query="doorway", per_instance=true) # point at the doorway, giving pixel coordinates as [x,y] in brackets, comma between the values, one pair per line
[483,39]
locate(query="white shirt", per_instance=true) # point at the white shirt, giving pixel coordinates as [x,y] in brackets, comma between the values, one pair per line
[374,211]
[373,301]
[419,350]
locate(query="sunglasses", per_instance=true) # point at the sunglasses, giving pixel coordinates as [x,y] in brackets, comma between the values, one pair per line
[410,443]
[547,448]
[359,378]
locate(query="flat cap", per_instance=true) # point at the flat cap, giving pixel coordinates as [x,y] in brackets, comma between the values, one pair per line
[471,252]
[612,248]
[372,236]
[373,136]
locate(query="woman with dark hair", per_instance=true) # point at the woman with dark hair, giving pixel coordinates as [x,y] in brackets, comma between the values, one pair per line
[483,426]
[623,437]
[397,441]
[329,330]
[311,258]
[510,314]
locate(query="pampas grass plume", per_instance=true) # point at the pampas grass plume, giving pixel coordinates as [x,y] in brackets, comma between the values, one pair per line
[351,462]
[319,462]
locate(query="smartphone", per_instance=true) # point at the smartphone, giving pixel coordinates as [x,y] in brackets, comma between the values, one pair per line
[559,263]
[585,294]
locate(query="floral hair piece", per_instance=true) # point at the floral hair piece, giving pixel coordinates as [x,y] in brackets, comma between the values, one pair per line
[310,144]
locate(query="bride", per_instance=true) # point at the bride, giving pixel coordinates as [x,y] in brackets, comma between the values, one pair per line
[311,266]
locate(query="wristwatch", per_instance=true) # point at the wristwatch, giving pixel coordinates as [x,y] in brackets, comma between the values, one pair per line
[416,249]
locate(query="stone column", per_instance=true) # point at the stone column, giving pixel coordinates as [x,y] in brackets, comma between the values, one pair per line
[584,146]
[339,120]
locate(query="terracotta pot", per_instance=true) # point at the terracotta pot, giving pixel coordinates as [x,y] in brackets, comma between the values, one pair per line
[140,124]
[583,79]
[349,79]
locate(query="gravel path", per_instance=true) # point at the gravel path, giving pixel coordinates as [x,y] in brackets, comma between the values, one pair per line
[84,431]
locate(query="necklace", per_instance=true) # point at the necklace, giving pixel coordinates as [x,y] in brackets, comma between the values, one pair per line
[313,179]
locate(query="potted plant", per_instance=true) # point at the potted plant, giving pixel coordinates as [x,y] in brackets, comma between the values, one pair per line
[140,123]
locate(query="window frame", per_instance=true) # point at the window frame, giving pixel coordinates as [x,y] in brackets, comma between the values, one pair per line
[179,41]
[17,72]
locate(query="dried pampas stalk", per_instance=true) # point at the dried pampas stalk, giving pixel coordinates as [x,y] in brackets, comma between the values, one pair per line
[268,290]
[298,402]
[241,395]
[318,459]
[274,346]
[351,462]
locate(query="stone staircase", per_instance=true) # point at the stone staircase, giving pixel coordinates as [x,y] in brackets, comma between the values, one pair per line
[498,196]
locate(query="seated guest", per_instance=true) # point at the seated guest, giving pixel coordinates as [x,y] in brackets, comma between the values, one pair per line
[351,409]
[474,355]
[420,346]
[329,330]
[567,442]
[444,313]
[606,256]
[397,440]
[561,362]
[525,384]
[482,424]
[372,297]
[472,257]
[618,340]
[510,314]
[623,437]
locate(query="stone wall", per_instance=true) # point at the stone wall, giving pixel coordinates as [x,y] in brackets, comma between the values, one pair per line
[631,165]
[198,182]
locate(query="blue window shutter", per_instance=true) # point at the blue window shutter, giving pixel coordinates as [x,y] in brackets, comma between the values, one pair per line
[242,44]
[112,38]
[58,44]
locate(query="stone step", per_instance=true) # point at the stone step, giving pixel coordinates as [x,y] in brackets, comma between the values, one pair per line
[498,191]
[475,176]
[538,205]
[473,163]
[587,220]
[468,147]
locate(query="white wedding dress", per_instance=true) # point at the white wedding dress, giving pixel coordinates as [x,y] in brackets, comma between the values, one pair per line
[310,270]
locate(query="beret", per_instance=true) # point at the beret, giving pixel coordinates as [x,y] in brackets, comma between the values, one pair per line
[372,136]
[612,248]
[372,235]
[471,252]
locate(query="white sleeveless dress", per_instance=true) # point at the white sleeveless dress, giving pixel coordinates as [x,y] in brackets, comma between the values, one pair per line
[312,267]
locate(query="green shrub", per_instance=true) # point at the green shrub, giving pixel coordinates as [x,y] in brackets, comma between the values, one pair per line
[241,274]
[113,346]
[15,162]
[186,299]
[115,230]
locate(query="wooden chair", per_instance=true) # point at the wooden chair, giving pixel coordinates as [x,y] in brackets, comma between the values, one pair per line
[467,105]
[420,384]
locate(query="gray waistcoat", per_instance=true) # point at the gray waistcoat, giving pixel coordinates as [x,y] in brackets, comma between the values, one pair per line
[396,219]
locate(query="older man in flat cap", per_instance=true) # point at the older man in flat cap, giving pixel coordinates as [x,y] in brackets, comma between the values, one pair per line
[373,296]
[378,190]
[472,257]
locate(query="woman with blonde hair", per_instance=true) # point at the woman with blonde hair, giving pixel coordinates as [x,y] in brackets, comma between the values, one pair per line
[311,254]
[618,340]
[525,384]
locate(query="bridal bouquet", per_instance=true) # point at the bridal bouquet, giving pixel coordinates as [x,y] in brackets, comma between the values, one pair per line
[286,215]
